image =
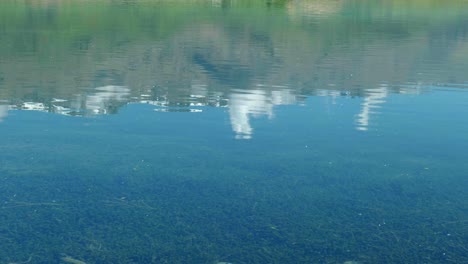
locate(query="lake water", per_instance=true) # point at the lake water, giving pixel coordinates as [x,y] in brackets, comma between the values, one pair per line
[234,131]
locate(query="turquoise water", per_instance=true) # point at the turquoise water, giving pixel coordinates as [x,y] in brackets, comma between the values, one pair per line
[233,132]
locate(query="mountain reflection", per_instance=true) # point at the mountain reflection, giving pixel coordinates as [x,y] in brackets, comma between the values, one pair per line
[246,59]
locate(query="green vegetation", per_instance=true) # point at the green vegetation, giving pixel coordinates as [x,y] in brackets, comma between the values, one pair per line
[147,189]
[59,48]
[156,199]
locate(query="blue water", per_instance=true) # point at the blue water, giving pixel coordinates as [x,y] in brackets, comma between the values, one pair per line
[312,132]
[143,186]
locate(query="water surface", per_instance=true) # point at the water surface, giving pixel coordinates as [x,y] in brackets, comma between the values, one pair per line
[233,131]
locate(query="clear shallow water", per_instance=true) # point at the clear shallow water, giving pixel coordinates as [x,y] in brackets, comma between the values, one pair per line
[242,132]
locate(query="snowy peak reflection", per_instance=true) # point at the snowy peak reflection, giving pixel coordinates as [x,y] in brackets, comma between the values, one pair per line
[372,101]
[375,98]
[244,104]
[99,100]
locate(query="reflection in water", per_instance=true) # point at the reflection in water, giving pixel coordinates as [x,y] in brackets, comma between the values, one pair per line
[3,112]
[228,74]
[375,97]
[166,59]
[103,100]
[298,9]
[254,103]
[154,187]
[372,101]
[33,106]
[243,105]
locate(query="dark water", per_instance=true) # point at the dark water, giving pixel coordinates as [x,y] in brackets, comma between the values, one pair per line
[234,131]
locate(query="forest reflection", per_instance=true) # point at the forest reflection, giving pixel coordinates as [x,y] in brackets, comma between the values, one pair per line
[248,56]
